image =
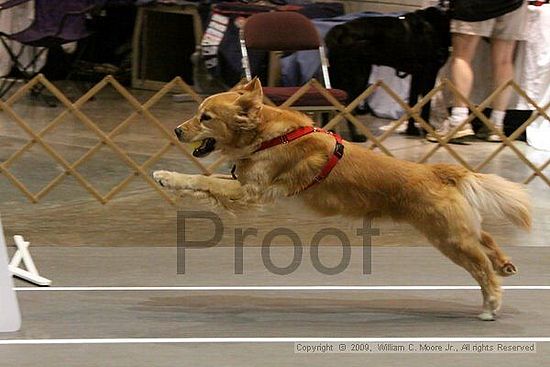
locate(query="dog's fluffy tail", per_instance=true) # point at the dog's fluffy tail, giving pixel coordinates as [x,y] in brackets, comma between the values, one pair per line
[496,196]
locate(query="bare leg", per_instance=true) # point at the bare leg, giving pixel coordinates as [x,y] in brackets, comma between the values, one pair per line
[502,52]
[462,75]
[501,263]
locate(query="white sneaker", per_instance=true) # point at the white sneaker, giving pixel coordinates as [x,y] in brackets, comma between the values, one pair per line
[495,138]
[401,129]
[446,127]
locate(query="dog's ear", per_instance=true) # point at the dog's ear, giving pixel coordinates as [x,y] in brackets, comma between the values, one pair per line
[239,87]
[252,95]
[250,104]
[245,86]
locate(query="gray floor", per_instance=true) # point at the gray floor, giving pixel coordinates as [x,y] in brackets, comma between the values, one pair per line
[62,313]
[131,242]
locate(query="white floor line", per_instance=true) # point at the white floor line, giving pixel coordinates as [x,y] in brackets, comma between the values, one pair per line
[270,340]
[279,288]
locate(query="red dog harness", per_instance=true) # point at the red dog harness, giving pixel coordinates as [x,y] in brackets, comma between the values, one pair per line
[337,154]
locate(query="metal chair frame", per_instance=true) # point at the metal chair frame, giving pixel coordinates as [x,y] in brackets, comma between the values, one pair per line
[322,56]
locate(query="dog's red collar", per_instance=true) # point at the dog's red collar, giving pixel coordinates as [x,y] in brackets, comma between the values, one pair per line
[337,154]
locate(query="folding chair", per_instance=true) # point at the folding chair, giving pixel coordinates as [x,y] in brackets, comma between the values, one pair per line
[55,23]
[288,31]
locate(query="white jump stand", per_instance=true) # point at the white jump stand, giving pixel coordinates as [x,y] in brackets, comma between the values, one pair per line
[10,316]
[30,274]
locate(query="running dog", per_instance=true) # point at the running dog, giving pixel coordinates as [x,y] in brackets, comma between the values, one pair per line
[278,153]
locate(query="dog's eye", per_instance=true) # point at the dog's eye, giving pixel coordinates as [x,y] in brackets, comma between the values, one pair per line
[205,117]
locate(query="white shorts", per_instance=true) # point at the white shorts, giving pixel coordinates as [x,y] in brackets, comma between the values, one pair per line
[510,26]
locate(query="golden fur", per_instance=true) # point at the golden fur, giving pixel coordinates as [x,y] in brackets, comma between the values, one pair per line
[445,202]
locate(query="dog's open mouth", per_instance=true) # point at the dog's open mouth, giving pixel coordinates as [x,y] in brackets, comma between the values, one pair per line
[207,146]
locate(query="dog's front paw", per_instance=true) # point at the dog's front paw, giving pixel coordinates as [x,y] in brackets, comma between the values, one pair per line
[175,180]
[165,179]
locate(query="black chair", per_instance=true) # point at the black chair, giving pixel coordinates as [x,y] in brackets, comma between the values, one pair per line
[55,23]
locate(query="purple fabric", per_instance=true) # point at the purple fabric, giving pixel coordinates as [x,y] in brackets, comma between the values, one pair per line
[54,24]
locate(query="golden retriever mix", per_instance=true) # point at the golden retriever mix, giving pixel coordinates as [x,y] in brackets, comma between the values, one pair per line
[278,154]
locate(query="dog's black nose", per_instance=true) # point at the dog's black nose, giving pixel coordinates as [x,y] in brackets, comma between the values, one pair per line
[179,132]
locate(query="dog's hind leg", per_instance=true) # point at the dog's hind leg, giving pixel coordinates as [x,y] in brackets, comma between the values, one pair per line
[468,254]
[501,262]
[452,233]
[471,257]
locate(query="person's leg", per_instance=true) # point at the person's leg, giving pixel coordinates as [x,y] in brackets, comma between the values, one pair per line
[502,54]
[508,29]
[462,76]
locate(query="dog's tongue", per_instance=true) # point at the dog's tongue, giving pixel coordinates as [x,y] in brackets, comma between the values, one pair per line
[207,146]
